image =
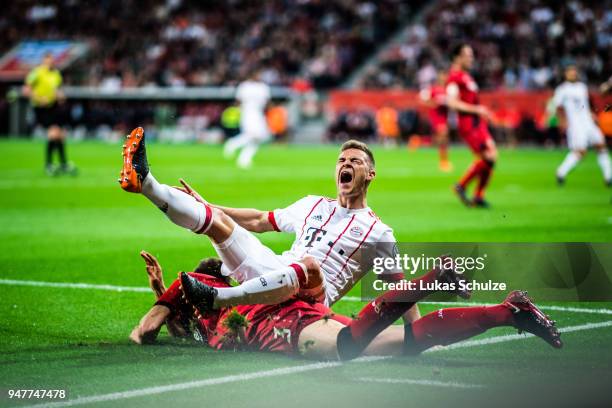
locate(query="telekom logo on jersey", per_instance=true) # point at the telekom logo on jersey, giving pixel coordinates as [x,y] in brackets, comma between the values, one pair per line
[314,234]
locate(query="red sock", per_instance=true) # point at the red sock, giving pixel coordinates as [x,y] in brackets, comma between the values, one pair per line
[386,309]
[474,170]
[447,326]
[443,150]
[483,180]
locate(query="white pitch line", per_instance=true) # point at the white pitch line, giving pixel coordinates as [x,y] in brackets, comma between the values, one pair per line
[283,371]
[510,337]
[113,288]
[431,383]
[70,285]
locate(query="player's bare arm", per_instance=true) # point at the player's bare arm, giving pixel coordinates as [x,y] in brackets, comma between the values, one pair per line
[147,330]
[249,218]
[156,282]
[455,103]
[154,272]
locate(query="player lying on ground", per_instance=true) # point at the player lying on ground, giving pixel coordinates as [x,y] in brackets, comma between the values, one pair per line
[311,329]
[335,240]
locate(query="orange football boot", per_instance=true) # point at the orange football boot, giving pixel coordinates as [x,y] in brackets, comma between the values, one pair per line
[135,165]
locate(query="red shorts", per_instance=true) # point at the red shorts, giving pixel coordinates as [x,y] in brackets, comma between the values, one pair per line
[476,137]
[274,328]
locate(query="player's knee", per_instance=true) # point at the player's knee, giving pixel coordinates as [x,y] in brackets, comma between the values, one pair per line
[312,289]
[311,264]
[220,217]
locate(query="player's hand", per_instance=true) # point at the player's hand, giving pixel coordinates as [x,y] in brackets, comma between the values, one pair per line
[187,189]
[135,335]
[155,273]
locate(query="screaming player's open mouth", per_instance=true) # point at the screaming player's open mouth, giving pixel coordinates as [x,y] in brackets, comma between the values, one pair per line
[346,176]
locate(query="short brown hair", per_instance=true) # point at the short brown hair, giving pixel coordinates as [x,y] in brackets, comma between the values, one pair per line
[356,144]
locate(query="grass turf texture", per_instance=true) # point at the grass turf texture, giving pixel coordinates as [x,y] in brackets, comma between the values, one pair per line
[85,229]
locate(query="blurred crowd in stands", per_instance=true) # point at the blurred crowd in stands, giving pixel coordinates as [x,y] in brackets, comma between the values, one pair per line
[181,43]
[511,125]
[519,44]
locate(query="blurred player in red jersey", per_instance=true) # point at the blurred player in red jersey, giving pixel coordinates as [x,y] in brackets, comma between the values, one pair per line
[314,331]
[462,96]
[434,97]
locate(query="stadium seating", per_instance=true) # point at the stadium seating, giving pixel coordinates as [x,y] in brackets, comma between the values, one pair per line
[190,43]
[520,44]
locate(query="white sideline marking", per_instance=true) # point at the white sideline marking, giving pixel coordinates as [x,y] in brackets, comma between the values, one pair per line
[432,383]
[286,371]
[114,288]
[510,337]
[73,285]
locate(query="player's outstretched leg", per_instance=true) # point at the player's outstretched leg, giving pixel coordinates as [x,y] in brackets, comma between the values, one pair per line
[181,208]
[234,144]
[390,306]
[483,181]
[488,159]
[245,158]
[472,173]
[568,164]
[270,288]
[447,326]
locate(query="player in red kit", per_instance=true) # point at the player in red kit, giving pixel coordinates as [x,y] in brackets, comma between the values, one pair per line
[434,97]
[312,330]
[462,96]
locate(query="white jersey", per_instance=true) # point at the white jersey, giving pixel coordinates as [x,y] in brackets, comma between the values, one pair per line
[253,97]
[343,241]
[582,131]
[573,97]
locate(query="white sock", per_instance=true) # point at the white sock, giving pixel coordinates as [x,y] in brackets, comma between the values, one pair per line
[245,159]
[571,160]
[268,289]
[604,163]
[181,208]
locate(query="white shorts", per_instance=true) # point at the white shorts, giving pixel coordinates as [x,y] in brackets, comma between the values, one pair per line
[255,127]
[583,137]
[245,257]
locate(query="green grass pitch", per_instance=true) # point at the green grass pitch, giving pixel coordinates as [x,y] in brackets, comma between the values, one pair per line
[87,230]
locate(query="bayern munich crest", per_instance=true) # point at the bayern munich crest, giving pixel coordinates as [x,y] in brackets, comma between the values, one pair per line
[356,231]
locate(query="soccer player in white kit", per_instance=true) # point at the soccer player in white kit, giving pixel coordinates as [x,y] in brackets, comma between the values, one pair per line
[336,240]
[582,132]
[253,96]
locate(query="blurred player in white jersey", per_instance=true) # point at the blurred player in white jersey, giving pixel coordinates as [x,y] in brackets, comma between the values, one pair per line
[336,240]
[582,131]
[253,96]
